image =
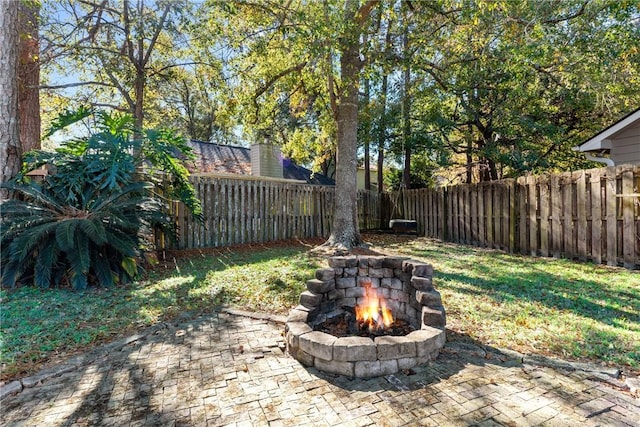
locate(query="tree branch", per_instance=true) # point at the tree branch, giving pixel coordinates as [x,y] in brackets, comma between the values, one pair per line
[364,11]
[128,43]
[154,39]
[77,84]
[277,77]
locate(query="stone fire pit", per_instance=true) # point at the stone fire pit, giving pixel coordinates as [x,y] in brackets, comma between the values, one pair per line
[407,287]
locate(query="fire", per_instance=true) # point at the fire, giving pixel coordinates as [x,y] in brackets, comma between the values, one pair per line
[373,311]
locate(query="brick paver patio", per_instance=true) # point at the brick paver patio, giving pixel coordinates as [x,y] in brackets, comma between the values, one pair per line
[225,369]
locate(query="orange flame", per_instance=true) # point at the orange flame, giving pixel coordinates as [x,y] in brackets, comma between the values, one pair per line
[373,311]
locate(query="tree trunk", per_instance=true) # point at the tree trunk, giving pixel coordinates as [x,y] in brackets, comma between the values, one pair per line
[406,106]
[10,150]
[367,138]
[29,76]
[382,132]
[138,114]
[345,233]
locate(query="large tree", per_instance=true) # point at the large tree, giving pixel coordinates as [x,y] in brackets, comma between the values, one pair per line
[10,150]
[508,88]
[298,68]
[345,233]
[29,75]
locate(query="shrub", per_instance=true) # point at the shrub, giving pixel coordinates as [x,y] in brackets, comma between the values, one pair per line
[87,221]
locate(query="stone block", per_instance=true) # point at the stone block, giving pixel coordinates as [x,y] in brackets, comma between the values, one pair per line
[393,262]
[402,275]
[424,284]
[375,368]
[350,272]
[363,261]
[349,349]
[325,274]
[394,306]
[387,272]
[318,286]
[348,302]
[398,295]
[318,344]
[383,292]
[429,298]
[310,300]
[356,292]
[335,294]
[392,283]
[297,316]
[422,270]
[337,262]
[390,347]
[335,367]
[407,265]
[345,282]
[293,332]
[375,282]
[328,305]
[376,272]
[375,262]
[363,271]
[427,340]
[303,357]
[417,268]
[407,363]
[413,316]
[434,316]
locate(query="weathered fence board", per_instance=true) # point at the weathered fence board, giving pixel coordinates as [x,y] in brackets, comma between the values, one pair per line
[238,210]
[588,215]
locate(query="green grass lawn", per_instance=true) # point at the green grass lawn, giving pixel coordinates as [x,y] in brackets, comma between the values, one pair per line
[570,310]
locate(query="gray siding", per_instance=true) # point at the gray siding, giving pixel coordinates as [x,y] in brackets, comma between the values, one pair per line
[266,160]
[626,146]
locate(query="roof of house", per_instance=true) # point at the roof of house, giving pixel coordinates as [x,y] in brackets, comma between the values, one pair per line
[229,159]
[601,141]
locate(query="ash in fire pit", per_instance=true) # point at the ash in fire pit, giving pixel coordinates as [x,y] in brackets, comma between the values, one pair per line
[346,325]
[367,316]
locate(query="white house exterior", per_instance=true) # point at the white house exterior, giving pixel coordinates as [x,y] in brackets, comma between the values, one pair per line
[619,144]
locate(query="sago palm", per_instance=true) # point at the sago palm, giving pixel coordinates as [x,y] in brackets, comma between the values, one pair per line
[47,241]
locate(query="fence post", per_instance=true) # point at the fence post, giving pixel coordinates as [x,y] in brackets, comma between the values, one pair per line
[628,226]
[513,215]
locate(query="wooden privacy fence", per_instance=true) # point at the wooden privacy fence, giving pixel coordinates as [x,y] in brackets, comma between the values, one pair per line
[250,210]
[588,215]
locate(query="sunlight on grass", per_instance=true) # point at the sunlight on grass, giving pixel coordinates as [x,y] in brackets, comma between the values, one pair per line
[537,305]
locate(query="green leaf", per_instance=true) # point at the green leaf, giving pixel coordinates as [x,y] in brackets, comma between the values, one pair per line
[130,265]
[44,264]
[67,118]
[65,234]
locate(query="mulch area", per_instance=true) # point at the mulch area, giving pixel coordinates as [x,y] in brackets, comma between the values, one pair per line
[375,241]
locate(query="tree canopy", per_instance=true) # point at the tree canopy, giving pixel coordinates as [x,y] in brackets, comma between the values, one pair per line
[448,90]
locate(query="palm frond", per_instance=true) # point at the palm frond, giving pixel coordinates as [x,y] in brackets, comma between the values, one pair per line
[102,269]
[45,260]
[26,243]
[65,232]
[95,230]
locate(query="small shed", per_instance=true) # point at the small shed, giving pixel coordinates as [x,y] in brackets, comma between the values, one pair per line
[619,144]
